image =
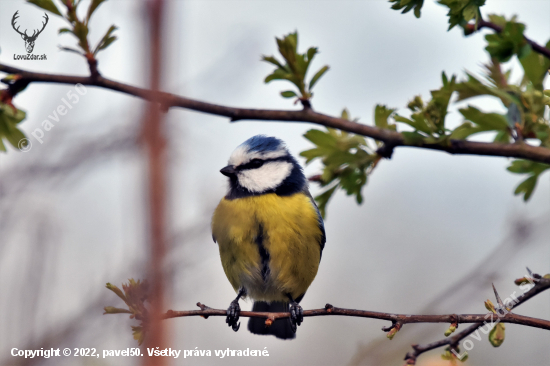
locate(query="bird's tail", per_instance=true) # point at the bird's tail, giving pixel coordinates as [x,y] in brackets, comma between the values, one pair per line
[281,328]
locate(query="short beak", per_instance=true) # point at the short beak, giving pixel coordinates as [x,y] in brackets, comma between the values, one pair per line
[228,171]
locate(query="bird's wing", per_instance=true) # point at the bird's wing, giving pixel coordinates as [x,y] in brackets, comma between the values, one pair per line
[319,219]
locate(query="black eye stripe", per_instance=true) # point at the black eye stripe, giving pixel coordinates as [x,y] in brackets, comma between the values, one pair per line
[254,165]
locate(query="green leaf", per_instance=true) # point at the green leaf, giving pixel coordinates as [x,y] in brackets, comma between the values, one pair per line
[320,138]
[496,336]
[69,49]
[408,5]
[474,87]
[345,114]
[527,187]
[418,122]
[413,138]
[107,43]
[314,154]
[317,76]
[465,130]
[311,52]
[65,30]
[9,118]
[81,32]
[14,116]
[502,137]
[510,41]
[46,5]
[280,74]
[491,121]
[288,48]
[527,167]
[469,12]
[288,94]
[352,180]
[461,11]
[498,20]
[381,115]
[113,310]
[323,198]
[139,334]
[15,138]
[106,40]
[536,68]
[93,6]
[272,60]
[116,290]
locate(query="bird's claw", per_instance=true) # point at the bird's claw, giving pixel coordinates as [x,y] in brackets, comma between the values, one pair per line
[233,313]
[296,315]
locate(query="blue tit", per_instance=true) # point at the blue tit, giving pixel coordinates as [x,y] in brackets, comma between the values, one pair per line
[269,232]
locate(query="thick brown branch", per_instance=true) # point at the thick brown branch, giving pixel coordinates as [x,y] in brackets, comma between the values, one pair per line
[541,285]
[389,137]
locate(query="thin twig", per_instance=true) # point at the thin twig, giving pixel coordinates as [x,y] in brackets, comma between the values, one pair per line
[389,137]
[541,285]
[402,319]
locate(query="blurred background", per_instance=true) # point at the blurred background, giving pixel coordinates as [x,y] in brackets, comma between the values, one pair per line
[432,234]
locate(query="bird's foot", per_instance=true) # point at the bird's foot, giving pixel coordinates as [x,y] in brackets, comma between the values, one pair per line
[296,315]
[233,313]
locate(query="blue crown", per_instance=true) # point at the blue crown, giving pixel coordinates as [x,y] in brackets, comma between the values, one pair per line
[263,143]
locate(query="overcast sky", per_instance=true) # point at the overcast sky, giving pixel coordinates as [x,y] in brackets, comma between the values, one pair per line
[428,218]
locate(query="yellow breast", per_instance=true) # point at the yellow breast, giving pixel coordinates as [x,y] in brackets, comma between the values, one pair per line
[288,229]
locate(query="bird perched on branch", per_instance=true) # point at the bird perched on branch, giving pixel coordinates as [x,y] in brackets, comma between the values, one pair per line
[269,232]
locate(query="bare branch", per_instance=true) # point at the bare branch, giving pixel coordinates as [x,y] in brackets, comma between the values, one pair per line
[394,318]
[541,285]
[389,137]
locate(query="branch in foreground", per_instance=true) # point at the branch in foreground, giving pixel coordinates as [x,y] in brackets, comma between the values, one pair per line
[542,284]
[390,138]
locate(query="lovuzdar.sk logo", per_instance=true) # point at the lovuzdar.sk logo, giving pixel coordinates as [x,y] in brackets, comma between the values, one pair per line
[29,40]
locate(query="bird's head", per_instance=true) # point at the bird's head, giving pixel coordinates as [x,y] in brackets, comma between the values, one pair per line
[261,165]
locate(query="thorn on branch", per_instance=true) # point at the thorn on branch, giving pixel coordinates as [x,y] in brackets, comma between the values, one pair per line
[202,306]
[501,306]
[535,276]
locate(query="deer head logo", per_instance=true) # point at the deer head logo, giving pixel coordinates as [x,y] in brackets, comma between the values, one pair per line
[29,40]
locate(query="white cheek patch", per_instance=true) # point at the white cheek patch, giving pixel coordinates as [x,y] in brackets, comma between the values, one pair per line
[267,177]
[241,155]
